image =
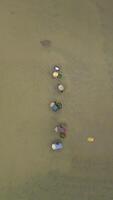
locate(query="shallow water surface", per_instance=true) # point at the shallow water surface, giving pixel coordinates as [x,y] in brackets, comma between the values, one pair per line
[35,35]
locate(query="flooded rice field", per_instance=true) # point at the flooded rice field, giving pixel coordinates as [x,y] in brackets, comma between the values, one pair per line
[35,35]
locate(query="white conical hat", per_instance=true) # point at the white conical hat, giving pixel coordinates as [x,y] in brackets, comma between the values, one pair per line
[53,146]
[57,68]
[52,104]
[56,129]
[61,87]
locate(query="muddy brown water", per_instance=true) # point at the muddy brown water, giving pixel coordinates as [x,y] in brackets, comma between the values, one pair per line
[35,35]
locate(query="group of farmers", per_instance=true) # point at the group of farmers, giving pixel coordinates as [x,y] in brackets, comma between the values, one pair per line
[61,128]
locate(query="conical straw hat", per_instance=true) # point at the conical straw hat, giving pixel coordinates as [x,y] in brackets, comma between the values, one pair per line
[61,87]
[91,139]
[53,146]
[56,68]
[55,74]
[52,104]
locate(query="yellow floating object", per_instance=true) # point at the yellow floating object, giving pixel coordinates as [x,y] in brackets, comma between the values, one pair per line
[91,139]
[55,74]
